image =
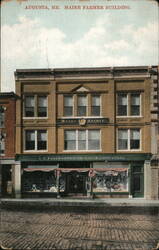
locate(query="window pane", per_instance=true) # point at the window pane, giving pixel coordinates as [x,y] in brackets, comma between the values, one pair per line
[81,140]
[81,135]
[42,106]
[135,104]
[123,139]
[95,110]
[68,105]
[93,145]
[70,135]
[29,106]
[68,111]
[81,111]
[93,139]
[82,103]
[82,100]
[29,101]
[68,101]
[122,104]
[41,140]
[95,100]
[93,134]
[70,140]
[70,145]
[134,139]
[30,140]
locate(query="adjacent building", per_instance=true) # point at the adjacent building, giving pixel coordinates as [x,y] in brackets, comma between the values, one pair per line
[7,141]
[89,132]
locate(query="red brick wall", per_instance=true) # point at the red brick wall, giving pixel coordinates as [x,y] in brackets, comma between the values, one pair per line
[9,127]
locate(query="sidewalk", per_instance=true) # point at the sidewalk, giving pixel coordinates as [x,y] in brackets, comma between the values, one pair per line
[68,202]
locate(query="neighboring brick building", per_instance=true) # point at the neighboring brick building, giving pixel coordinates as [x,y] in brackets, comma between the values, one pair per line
[86,131]
[7,140]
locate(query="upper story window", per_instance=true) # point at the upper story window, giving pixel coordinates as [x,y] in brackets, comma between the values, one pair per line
[135,104]
[95,108]
[29,106]
[2,116]
[82,140]
[68,105]
[128,104]
[122,105]
[82,105]
[35,106]
[42,106]
[35,140]
[129,139]
[77,105]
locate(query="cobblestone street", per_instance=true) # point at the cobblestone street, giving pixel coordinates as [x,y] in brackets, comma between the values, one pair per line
[78,228]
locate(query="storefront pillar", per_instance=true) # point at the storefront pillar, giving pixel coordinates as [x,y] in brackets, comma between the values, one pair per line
[16,180]
[147,180]
[90,185]
[58,183]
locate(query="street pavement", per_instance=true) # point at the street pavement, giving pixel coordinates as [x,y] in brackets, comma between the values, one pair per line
[78,228]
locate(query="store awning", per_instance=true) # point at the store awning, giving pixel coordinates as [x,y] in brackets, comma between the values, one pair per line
[38,169]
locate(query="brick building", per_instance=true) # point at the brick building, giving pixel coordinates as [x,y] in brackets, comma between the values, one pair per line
[86,132]
[7,140]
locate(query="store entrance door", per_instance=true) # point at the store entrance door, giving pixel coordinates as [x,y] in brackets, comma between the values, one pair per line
[76,183]
[137,181]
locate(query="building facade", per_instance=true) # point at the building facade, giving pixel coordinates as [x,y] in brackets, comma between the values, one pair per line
[7,141]
[86,132]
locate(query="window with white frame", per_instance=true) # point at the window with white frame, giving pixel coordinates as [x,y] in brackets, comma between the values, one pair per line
[82,140]
[128,104]
[95,108]
[29,106]
[122,104]
[35,106]
[2,116]
[129,139]
[68,105]
[135,104]
[42,106]
[82,105]
[35,140]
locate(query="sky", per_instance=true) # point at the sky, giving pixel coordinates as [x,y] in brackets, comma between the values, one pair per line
[81,37]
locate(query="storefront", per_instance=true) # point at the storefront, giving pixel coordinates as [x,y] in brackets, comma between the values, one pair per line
[99,175]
